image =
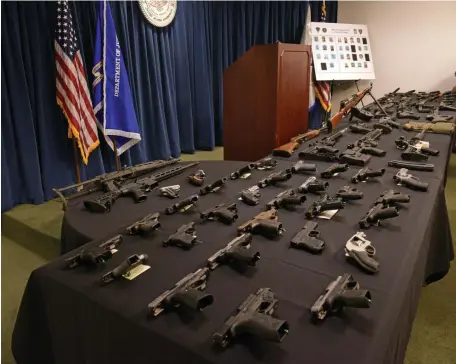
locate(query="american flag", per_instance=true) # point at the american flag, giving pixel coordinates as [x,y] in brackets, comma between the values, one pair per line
[72,90]
[322,88]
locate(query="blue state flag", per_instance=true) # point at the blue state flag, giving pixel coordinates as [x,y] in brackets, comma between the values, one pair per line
[112,100]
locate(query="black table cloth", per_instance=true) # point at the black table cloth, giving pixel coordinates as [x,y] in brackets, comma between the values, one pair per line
[67,317]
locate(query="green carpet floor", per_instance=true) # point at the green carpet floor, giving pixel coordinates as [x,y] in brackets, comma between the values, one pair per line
[434,330]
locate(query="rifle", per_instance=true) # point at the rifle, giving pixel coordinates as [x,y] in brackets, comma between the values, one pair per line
[348,104]
[287,150]
[100,182]
[136,189]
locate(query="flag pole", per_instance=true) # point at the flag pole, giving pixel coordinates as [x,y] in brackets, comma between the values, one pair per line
[115,153]
[76,163]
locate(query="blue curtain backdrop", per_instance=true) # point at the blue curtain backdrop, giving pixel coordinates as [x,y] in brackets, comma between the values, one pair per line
[175,76]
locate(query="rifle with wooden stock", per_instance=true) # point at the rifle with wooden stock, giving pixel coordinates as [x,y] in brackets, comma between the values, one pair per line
[348,104]
[287,150]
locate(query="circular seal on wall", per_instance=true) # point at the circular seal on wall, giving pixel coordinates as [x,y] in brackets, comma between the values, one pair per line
[159,13]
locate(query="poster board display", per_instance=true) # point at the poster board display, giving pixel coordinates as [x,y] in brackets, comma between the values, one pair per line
[341,52]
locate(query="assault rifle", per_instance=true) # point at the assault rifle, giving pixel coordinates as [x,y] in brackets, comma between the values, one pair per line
[136,189]
[101,182]
[324,149]
[359,152]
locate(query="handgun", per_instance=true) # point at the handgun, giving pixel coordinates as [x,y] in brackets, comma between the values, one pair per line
[185,237]
[348,193]
[251,196]
[169,191]
[308,238]
[365,173]
[214,186]
[377,214]
[187,202]
[187,293]
[197,178]
[313,185]
[237,252]
[302,167]
[341,293]
[95,256]
[253,317]
[360,251]
[392,198]
[145,225]
[225,213]
[123,270]
[333,169]
[410,181]
[242,171]
[266,223]
[265,163]
[324,204]
[274,178]
[286,199]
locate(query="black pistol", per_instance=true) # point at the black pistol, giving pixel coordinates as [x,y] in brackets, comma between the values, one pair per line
[124,269]
[242,171]
[308,239]
[96,256]
[251,196]
[348,193]
[286,199]
[312,185]
[181,205]
[225,213]
[214,186]
[145,225]
[237,252]
[187,293]
[341,293]
[377,214]
[392,198]
[274,178]
[333,169]
[324,204]
[184,237]
[365,173]
[253,317]
[302,167]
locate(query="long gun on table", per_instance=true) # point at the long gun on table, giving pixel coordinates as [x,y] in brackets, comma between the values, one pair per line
[287,150]
[135,189]
[346,106]
[99,183]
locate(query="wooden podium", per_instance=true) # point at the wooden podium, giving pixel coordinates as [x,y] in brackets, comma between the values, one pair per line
[265,99]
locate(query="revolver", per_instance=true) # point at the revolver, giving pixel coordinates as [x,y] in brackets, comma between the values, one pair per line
[410,181]
[197,178]
[301,167]
[185,203]
[214,186]
[347,193]
[360,251]
[254,317]
[324,204]
[333,169]
[125,268]
[145,225]
[377,214]
[188,293]
[96,256]
[392,198]
[308,239]
[242,171]
[341,293]
[266,223]
[286,199]
[275,178]
[365,173]
[170,191]
[251,196]
[312,185]
[237,252]
[225,213]
[184,237]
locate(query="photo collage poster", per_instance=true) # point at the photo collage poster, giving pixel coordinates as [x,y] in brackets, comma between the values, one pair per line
[341,52]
